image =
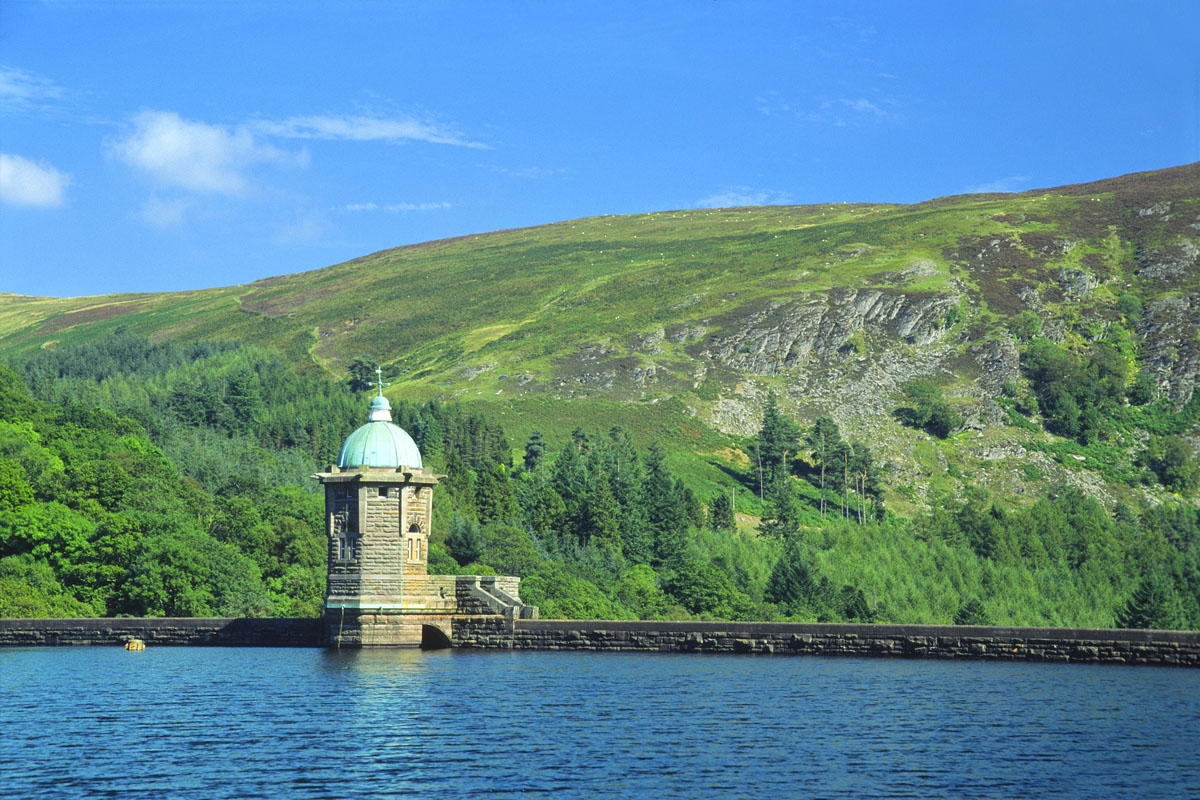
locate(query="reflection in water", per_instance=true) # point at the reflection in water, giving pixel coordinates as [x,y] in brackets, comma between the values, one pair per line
[248,722]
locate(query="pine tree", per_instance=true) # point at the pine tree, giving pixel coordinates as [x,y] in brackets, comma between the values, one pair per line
[362,373]
[783,520]
[720,513]
[602,523]
[494,499]
[535,451]
[627,476]
[823,442]
[791,585]
[776,438]
[1152,606]
[666,518]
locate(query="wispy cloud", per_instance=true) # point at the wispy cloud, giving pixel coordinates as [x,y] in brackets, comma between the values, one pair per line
[196,156]
[733,196]
[365,129]
[396,207]
[23,91]
[25,183]
[162,213]
[837,111]
[526,172]
[307,229]
[1013,183]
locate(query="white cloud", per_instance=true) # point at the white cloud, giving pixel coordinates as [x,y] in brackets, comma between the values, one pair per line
[1013,183]
[734,196]
[196,156]
[24,183]
[841,112]
[397,207]
[527,172]
[21,90]
[165,213]
[364,129]
[862,105]
[308,229]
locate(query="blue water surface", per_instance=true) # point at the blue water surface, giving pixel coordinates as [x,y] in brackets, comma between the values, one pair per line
[306,723]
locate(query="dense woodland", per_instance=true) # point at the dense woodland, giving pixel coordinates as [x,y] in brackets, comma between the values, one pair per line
[174,479]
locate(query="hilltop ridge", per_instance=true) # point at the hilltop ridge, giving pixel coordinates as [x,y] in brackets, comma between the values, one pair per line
[679,323]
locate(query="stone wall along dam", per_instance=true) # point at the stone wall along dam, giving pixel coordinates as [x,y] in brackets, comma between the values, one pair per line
[492,632]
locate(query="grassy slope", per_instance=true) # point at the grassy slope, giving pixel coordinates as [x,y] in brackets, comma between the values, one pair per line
[513,319]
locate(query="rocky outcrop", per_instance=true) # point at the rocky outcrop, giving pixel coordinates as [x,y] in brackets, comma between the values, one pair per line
[1169,263]
[1170,333]
[785,334]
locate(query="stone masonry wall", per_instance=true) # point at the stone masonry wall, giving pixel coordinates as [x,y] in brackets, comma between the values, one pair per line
[486,631]
[1180,648]
[157,631]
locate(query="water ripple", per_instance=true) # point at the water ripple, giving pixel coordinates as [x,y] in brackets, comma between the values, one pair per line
[239,723]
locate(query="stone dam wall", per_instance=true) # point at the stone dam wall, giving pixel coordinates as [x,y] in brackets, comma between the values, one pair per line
[491,632]
[1076,645]
[158,631]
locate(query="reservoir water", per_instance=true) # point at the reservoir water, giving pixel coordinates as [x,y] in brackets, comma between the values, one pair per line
[306,723]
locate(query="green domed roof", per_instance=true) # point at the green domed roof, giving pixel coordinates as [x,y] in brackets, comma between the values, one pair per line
[379,443]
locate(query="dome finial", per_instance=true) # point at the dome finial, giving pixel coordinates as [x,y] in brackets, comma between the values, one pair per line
[381,410]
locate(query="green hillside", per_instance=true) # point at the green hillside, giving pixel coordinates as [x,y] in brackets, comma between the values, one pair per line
[976,409]
[678,324]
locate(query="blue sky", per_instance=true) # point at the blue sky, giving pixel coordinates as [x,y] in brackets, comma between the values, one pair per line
[150,146]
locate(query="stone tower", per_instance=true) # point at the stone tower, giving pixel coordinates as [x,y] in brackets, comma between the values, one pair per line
[378,512]
[378,515]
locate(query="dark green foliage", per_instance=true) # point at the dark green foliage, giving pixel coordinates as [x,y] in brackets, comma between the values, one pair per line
[792,586]
[1172,459]
[15,403]
[777,441]
[535,451]
[707,591]
[1026,325]
[466,540]
[96,518]
[1076,396]
[784,512]
[640,592]
[510,550]
[720,513]
[824,442]
[362,374]
[1153,605]
[971,612]
[1141,391]
[666,517]
[1130,306]
[930,410]
[564,596]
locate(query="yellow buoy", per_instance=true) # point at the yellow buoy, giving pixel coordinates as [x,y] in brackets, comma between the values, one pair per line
[135,644]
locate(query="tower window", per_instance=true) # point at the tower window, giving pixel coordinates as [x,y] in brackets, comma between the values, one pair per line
[383,491]
[346,548]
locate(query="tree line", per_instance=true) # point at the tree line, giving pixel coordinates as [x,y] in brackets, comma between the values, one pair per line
[162,479]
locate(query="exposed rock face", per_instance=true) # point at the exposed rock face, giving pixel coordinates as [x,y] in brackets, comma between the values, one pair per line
[1169,263]
[1076,283]
[1171,346]
[998,362]
[784,335]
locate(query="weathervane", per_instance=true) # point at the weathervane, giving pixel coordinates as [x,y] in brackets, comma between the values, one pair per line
[379,377]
